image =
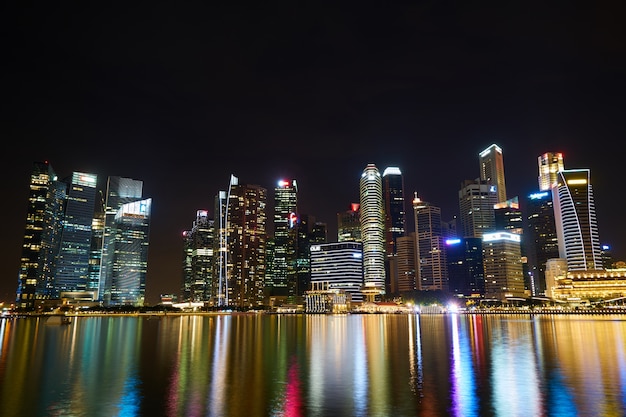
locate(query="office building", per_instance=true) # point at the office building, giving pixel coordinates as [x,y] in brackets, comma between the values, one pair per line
[466,273]
[338,266]
[125,243]
[349,224]
[502,258]
[372,219]
[71,270]
[540,239]
[395,220]
[477,199]
[199,260]
[41,236]
[283,280]
[431,265]
[246,248]
[549,163]
[492,170]
[575,219]
[405,265]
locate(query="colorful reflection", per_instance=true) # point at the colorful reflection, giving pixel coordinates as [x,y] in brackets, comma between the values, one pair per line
[315,365]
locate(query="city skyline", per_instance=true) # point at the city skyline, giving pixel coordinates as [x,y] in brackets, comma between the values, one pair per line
[183,99]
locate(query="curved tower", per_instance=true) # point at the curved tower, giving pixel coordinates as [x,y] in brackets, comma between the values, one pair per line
[372,219]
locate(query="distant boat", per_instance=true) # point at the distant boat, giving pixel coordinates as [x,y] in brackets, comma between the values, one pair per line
[57,319]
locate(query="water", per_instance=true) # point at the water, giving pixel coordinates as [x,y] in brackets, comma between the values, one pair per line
[315,365]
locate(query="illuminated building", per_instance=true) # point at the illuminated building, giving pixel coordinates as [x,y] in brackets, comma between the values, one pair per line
[575,219]
[338,266]
[71,270]
[476,208]
[395,219]
[431,267]
[502,260]
[199,260]
[372,219]
[125,244]
[540,239]
[550,163]
[349,225]
[282,281]
[508,216]
[492,170]
[466,274]
[240,276]
[247,234]
[577,286]
[405,261]
[41,235]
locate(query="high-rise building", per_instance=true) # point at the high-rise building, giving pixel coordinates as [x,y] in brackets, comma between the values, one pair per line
[41,236]
[550,163]
[431,265]
[372,219]
[476,208]
[395,219]
[247,240]
[540,239]
[338,266]
[575,218]
[395,212]
[199,260]
[97,236]
[405,264]
[349,225]
[283,272]
[125,243]
[466,273]
[71,271]
[508,216]
[492,170]
[502,258]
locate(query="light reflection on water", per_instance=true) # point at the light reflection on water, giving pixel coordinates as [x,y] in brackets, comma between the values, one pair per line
[315,365]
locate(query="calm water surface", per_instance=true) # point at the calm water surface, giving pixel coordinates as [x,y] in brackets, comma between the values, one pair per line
[315,365]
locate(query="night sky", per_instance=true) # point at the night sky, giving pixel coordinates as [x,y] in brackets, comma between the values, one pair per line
[182,96]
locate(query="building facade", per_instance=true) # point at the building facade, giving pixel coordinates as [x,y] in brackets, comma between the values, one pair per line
[431,264]
[492,170]
[372,220]
[575,219]
[338,266]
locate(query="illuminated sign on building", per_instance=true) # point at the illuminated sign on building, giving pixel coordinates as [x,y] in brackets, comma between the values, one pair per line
[492,237]
[538,196]
[453,241]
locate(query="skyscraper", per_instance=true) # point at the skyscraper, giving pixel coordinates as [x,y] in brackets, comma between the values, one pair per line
[247,245]
[550,163]
[395,219]
[349,224]
[395,212]
[575,218]
[199,260]
[125,243]
[492,170]
[431,265]
[41,236]
[476,208]
[540,239]
[283,271]
[372,219]
[71,271]
[502,258]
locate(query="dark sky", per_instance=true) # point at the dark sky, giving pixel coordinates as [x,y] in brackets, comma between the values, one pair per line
[181,96]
